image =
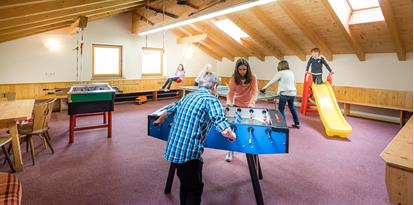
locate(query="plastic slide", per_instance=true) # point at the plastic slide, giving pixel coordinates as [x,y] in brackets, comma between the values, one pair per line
[331,116]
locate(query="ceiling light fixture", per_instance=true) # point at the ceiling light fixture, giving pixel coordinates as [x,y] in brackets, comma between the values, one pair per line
[244,6]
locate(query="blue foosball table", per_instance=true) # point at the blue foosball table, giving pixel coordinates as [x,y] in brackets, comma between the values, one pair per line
[258,130]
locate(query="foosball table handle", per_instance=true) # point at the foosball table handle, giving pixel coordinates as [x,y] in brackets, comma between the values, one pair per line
[250,134]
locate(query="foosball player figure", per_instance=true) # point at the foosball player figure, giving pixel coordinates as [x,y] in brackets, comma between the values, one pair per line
[193,116]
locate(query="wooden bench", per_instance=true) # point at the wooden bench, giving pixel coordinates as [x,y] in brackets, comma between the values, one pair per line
[403,111]
[398,156]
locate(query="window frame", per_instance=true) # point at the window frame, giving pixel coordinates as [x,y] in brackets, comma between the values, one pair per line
[161,59]
[361,9]
[97,76]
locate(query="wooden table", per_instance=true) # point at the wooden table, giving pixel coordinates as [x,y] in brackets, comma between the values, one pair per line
[10,113]
[398,156]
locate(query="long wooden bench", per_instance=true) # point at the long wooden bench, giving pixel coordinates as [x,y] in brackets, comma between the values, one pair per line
[403,111]
[398,156]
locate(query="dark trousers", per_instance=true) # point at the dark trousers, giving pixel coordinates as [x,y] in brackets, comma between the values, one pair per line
[191,179]
[282,103]
[169,81]
[195,84]
[317,79]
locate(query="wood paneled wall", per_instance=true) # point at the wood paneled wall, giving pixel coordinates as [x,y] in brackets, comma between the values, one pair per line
[363,96]
[36,90]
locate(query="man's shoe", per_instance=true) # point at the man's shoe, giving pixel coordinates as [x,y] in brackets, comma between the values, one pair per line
[296,126]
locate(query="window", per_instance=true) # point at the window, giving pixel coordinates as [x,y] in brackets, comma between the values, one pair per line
[106,61]
[231,29]
[357,5]
[152,61]
[357,11]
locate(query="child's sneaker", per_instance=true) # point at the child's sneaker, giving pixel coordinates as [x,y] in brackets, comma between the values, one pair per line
[166,90]
[296,126]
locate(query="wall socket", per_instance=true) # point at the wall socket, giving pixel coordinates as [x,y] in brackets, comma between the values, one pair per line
[49,73]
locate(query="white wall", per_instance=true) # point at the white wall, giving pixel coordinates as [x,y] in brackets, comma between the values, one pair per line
[28,60]
[382,71]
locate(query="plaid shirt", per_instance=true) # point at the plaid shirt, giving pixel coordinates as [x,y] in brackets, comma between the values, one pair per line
[193,116]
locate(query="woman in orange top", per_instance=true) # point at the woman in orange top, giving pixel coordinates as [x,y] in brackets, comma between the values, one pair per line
[242,89]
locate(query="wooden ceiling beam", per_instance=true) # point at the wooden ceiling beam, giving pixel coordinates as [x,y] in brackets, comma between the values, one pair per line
[225,41]
[257,37]
[137,20]
[191,39]
[229,49]
[277,32]
[103,13]
[4,4]
[218,48]
[344,29]
[178,33]
[80,23]
[208,51]
[31,32]
[254,47]
[47,7]
[393,29]
[298,20]
[69,14]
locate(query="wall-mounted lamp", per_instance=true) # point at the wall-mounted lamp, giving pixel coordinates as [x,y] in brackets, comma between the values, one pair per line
[52,44]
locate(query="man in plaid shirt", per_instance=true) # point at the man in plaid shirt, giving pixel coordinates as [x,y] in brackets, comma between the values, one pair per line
[193,116]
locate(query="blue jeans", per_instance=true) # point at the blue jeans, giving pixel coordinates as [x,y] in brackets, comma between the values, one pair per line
[168,82]
[317,79]
[282,103]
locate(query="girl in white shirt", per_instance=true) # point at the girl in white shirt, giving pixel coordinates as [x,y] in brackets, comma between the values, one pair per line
[286,90]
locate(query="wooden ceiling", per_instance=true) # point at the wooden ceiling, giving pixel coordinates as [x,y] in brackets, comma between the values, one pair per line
[285,27]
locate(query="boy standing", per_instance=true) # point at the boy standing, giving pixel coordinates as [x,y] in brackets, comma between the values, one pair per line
[315,62]
[193,116]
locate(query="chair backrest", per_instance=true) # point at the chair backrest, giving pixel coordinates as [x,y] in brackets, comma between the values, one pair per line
[42,113]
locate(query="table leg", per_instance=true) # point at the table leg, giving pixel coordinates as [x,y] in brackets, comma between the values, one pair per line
[17,154]
[109,124]
[71,128]
[104,117]
[170,179]
[255,180]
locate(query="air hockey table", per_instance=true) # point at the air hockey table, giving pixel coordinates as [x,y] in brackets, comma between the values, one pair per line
[223,90]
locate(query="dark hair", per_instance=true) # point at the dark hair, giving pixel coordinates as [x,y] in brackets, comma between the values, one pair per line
[317,50]
[237,77]
[282,65]
[180,65]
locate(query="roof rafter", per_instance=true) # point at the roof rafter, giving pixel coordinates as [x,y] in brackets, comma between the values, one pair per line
[393,28]
[297,19]
[259,39]
[344,28]
[285,39]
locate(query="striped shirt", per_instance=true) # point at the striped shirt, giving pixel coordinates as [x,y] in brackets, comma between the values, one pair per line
[193,116]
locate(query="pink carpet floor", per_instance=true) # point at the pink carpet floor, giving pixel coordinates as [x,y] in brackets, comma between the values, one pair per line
[129,168]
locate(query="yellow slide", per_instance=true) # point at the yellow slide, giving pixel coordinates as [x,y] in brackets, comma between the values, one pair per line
[331,116]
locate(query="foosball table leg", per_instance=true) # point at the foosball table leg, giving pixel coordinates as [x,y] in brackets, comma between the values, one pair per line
[72,122]
[259,168]
[109,124]
[255,180]
[170,179]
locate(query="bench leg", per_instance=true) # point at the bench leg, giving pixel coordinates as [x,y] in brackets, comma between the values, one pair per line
[347,108]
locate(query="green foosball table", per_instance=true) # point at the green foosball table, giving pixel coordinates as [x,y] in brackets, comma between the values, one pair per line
[90,100]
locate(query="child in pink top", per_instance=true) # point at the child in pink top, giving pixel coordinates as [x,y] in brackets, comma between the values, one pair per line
[178,77]
[242,89]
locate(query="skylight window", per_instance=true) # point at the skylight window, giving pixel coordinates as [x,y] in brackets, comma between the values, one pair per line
[357,5]
[231,29]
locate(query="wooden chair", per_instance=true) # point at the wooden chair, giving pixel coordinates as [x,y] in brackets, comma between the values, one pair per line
[4,140]
[40,126]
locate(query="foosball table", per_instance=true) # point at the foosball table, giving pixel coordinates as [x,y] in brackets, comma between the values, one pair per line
[259,131]
[89,100]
